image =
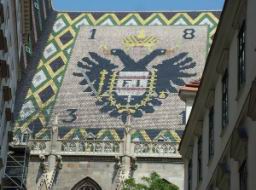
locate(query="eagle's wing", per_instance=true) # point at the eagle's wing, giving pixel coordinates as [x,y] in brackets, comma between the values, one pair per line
[173,71]
[90,70]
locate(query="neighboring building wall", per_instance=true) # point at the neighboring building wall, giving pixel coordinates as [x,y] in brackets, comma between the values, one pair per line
[9,64]
[40,11]
[14,32]
[232,165]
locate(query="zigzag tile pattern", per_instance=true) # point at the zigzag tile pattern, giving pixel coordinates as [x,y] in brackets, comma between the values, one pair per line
[40,99]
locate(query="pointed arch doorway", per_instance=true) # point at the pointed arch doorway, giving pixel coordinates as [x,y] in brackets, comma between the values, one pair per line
[87,184]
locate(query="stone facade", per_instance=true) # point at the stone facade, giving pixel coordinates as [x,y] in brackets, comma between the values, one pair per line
[104,171]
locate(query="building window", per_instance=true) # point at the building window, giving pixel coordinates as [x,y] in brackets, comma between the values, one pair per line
[25,138]
[241,56]
[199,158]
[190,175]
[87,184]
[243,176]
[211,133]
[225,99]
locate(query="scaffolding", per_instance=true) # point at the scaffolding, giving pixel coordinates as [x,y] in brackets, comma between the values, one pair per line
[16,168]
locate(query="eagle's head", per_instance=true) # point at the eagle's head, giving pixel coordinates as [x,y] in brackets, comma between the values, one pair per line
[116,51]
[159,51]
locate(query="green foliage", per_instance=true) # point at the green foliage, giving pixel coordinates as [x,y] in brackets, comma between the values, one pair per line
[153,182]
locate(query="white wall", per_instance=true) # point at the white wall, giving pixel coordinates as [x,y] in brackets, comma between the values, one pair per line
[236,103]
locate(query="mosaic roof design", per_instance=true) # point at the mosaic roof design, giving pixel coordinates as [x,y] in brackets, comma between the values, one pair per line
[41,98]
[143,135]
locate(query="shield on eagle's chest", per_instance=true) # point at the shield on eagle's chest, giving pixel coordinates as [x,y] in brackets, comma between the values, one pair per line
[130,83]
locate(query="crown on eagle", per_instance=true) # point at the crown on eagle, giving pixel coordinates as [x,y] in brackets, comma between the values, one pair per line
[140,40]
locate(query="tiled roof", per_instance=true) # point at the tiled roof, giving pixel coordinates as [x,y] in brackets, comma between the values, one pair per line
[191,86]
[42,92]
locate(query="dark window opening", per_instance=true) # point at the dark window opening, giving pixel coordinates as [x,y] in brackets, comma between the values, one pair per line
[243,176]
[190,175]
[225,99]
[211,132]
[199,158]
[25,138]
[241,56]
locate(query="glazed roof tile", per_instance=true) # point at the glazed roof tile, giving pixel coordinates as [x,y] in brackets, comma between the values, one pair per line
[50,87]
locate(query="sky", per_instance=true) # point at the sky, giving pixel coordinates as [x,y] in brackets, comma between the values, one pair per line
[136,5]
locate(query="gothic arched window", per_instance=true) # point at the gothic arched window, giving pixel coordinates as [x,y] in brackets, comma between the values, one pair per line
[87,184]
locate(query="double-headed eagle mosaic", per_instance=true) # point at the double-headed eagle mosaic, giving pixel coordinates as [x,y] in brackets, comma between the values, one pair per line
[135,88]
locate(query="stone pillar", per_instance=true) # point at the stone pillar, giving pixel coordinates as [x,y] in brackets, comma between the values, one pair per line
[126,159]
[127,142]
[51,162]
[52,156]
[186,163]
[125,166]
[234,174]
[251,155]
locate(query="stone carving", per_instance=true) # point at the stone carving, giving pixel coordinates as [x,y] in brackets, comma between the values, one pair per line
[37,145]
[125,165]
[91,146]
[163,148]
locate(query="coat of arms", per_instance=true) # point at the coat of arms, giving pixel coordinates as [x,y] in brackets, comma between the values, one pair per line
[135,88]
